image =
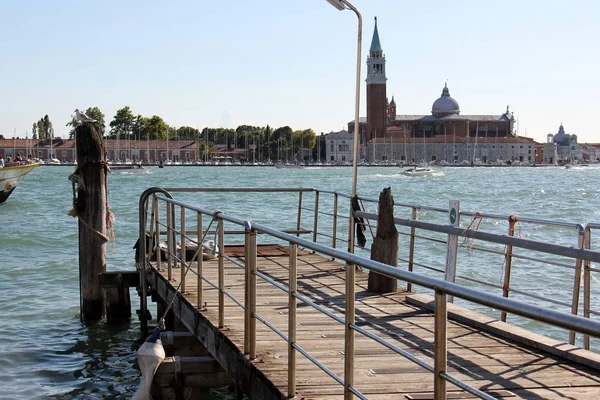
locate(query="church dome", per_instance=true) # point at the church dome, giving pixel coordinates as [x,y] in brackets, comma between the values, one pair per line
[445,105]
[561,137]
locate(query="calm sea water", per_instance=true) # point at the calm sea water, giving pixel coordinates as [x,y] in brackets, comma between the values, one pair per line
[47,353]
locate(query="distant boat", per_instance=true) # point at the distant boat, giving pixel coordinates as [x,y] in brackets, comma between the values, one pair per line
[137,169]
[10,178]
[297,166]
[418,171]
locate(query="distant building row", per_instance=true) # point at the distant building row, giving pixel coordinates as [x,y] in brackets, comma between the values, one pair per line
[444,136]
[66,150]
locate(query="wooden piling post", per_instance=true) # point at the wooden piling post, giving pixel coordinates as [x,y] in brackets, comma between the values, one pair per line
[385,245]
[90,207]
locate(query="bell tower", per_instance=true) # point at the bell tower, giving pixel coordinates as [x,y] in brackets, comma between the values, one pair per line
[376,89]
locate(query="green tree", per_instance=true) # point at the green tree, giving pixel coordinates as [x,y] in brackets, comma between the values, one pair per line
[48,127]
[266,144]
[305,138]
[139,127]
[187,133]
[40,129]
[95,114]
[122,124]
[282,140]
[155,128]
[34,131]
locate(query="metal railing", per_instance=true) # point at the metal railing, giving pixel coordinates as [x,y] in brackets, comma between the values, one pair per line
[159,223]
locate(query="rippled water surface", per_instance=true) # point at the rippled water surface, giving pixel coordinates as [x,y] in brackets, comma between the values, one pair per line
[47,353]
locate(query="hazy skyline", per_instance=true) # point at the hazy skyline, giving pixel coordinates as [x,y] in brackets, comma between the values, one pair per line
[294,63]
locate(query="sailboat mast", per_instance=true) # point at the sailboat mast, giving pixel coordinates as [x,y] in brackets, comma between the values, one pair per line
[475,146]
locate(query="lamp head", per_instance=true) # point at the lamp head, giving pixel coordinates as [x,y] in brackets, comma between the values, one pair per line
[337,4]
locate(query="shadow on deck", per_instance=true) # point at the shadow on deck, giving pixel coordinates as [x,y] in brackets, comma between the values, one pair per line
[495,357]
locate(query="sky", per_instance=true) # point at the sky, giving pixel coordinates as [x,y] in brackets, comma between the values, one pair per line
[272,62]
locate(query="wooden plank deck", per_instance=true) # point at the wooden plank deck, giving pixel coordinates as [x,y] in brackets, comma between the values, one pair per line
[497,365]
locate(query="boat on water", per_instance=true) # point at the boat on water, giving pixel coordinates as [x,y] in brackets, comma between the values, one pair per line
[418,171]
[294,166]
[137,169]
[10,176]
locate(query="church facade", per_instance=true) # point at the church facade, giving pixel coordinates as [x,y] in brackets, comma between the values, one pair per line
[443,136]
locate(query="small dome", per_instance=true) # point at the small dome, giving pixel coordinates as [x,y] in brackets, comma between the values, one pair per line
[561,137]
[445,105]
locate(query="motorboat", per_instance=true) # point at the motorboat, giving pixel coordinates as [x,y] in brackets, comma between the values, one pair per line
[137,169]
[10,176]
[418,171]
[293,166]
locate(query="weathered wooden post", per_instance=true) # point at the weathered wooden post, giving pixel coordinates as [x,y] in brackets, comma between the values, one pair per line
[90,207]
[385,245]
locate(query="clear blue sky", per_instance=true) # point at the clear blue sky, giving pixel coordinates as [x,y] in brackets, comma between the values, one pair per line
[225,63]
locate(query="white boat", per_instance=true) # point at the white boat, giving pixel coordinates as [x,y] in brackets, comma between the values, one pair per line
[137,169]
[296,166]
[418,171]
[10,178]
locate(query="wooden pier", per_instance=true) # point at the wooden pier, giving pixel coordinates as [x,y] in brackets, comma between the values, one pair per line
[495,357]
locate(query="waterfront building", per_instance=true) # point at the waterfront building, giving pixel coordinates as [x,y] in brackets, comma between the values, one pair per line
[339,147]
[65,150]
[444,136]
[591,152]
[562,148]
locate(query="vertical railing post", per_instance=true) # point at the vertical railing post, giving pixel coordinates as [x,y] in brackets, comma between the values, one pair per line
[142,261]
[247,272]
[349,332]
[452,244]
[316,218]
[587,243]
[252,295]
[292,321]
[199,262]
[335,218]
[157,230]
[182,257]
[411,247]
[149,249]
[299,221]
[508,253]
[440,345]
[169,241]
[221,247]
[577,282]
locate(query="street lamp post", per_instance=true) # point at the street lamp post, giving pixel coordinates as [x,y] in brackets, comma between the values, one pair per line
[350,316]
[343,5]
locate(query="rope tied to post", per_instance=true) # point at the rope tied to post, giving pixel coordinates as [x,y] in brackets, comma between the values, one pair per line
[474,225]
[513,220]
[79,202]
[359,223]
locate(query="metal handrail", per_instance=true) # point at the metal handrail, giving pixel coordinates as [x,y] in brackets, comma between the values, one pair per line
[442,288]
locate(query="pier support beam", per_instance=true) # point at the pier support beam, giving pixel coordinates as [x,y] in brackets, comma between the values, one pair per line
[89,184]
[385,245]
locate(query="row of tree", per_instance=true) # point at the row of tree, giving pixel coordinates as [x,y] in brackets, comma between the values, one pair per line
[262,142]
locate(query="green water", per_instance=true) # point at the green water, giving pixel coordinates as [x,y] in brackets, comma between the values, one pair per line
[47,353]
